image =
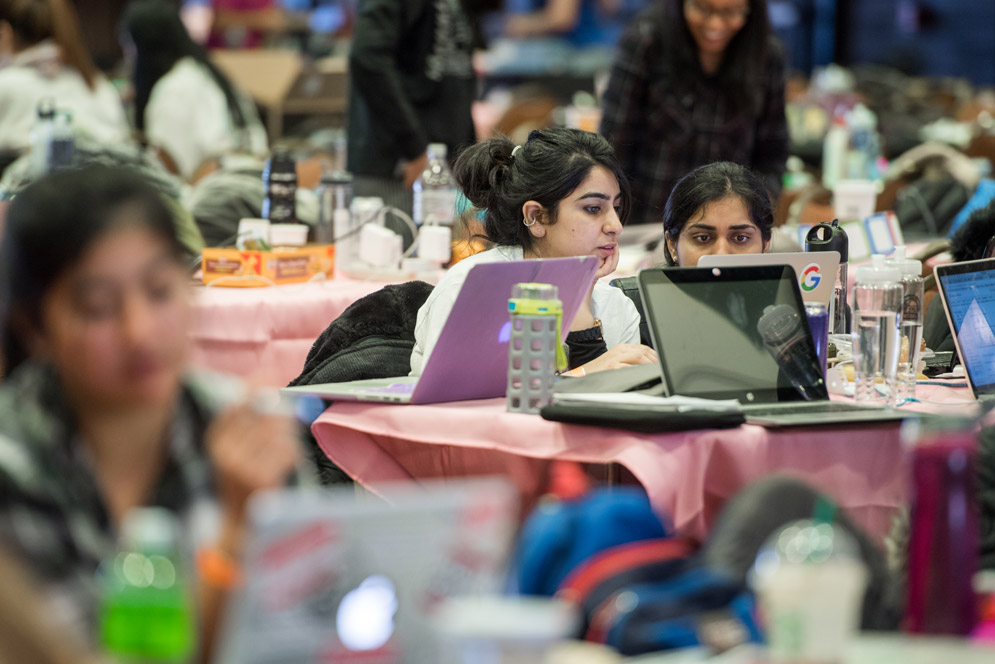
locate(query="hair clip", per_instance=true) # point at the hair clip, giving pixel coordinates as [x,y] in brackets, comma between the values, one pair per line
[515,151]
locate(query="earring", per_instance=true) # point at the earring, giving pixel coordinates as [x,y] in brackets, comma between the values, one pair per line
[529,223]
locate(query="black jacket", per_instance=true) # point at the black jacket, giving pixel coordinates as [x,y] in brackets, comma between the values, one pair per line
[372,338]
[411,82]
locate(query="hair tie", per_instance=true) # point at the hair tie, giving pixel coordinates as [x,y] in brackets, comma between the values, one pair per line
[515,151]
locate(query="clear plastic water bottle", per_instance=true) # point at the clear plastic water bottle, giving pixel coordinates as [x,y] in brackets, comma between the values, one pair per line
[877,301]
[61,142]
[334,201]
[280,179]
[435,189]
[534,348]
[910,326]
[864,144]
[835,148]
[147,611]
[41,135]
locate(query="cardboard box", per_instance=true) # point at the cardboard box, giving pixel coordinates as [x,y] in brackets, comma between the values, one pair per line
[246,269]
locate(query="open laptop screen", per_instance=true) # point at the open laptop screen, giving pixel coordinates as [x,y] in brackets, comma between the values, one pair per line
[732,333]
[968,291]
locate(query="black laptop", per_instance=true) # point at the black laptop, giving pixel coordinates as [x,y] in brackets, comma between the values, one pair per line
[741,333]
[967,291]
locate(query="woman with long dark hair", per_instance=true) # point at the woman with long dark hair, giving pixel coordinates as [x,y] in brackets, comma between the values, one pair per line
[103,414]
[559,194]
[42,56]
[694,82]
[184,105]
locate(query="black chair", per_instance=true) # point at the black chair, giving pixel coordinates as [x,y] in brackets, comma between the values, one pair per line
[630,286]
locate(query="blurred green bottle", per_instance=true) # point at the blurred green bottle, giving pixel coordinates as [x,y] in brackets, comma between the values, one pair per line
[147,611]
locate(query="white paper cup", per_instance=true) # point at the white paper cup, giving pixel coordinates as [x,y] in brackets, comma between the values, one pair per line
[854,199]
[288,235]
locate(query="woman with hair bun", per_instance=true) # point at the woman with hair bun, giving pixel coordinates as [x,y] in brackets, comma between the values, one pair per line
[560,194]
[45,58]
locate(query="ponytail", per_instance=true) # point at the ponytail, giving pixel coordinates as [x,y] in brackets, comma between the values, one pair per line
[500,177]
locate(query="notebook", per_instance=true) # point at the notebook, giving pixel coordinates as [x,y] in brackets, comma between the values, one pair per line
[816,270]
[741,333]
[967,291]
[336,576]
[470,359]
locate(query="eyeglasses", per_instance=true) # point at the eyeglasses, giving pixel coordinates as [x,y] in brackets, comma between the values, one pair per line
[729,15]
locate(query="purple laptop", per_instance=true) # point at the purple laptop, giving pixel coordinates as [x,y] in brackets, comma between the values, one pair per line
[470,359]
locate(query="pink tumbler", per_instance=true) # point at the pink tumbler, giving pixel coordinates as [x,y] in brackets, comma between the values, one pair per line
[943,542]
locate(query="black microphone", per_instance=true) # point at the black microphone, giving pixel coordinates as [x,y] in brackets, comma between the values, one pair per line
[792,348]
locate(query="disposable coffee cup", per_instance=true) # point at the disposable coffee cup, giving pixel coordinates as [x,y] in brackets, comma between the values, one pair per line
[809,581]
[854,199]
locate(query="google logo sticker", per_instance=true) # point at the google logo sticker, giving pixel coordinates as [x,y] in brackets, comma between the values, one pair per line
[810,277]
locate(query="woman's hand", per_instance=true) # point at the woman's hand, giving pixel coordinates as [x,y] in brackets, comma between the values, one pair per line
[251,450]
[623,355]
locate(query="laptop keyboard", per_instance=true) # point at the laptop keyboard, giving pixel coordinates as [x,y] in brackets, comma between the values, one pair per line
[801,408]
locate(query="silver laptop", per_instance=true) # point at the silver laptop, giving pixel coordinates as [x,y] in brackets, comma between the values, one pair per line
[967,291]
[816,270]
[470,359]
[741,333]
[336,576]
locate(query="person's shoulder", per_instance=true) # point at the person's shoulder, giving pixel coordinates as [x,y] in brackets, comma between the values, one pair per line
[187,77]
[27,427]
[17,81]
[496,254]
[612,298]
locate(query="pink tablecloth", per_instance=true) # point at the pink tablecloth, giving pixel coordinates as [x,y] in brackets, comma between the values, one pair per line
[688,476]
[265,333]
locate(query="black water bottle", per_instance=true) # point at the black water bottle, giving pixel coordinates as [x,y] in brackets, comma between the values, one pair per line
[280,178]
[831,237]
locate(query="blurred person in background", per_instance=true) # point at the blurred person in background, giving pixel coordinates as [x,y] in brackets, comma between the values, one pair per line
[582,23]
[102,415]
[185,107]
[694,82]
[411,83]
[43,57]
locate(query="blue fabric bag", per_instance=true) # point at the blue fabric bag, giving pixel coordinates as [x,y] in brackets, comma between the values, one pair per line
[560,535]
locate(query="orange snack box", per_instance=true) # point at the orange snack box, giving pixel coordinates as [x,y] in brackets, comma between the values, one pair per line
[232,267]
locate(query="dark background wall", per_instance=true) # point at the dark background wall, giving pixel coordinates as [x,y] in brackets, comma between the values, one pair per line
[937,38]
[929,37]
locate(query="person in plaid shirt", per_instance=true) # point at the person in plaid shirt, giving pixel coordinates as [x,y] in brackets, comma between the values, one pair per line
[694,82]
[100,415]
